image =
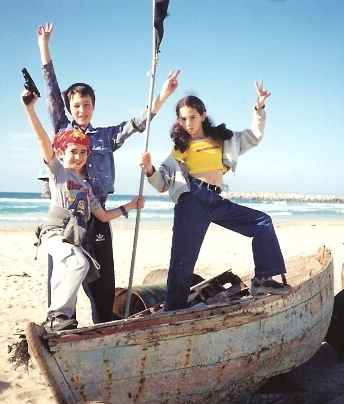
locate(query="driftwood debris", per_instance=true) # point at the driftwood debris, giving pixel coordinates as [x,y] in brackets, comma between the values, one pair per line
[20,353]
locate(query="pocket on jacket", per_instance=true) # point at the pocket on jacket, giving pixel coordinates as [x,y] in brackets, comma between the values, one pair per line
[101,149]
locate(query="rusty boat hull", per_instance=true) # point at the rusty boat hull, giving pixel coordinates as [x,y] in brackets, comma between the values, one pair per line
[207,354]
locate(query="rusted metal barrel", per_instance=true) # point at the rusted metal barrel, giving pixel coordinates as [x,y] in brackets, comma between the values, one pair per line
[142,297]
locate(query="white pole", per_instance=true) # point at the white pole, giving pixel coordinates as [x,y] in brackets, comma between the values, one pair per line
[138,215]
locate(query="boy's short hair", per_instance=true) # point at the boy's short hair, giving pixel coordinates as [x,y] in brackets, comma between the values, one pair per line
[70,136]
[81,88]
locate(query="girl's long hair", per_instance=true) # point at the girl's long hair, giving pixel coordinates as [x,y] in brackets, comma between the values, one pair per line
[182,138]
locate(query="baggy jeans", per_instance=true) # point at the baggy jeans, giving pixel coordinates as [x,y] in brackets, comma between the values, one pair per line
[70,267]
[192,216]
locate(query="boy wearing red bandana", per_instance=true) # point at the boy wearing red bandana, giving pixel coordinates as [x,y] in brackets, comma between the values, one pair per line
[64,229]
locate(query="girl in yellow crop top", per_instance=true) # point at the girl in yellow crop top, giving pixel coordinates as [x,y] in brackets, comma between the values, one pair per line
[198,143]
[201,155]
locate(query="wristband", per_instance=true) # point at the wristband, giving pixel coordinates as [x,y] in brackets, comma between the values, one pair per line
[259,108]
[124,212]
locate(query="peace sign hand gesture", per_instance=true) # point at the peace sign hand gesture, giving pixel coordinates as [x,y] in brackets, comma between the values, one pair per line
[262,95]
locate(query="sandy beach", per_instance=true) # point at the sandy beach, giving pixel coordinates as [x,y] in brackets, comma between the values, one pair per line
[23,280]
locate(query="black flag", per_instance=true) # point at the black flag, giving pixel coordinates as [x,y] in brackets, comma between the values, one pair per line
[160,13]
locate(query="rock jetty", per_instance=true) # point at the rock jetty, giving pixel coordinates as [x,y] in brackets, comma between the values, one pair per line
[276,196]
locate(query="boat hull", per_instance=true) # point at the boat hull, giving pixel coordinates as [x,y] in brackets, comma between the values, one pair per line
[221,352]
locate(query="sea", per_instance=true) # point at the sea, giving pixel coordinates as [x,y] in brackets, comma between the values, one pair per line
[20,209]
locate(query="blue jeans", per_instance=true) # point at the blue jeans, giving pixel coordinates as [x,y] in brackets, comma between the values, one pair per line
[192,216]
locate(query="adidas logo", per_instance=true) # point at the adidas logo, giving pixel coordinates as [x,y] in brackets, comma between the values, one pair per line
[100,237]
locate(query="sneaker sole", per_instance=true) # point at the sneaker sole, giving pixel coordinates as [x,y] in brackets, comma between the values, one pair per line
[263,291]
[66,325]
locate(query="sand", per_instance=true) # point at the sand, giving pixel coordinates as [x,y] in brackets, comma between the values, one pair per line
[23,284]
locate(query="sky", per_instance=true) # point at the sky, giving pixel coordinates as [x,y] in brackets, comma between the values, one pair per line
[221,47]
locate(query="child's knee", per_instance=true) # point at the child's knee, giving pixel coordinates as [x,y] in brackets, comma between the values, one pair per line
[78,262]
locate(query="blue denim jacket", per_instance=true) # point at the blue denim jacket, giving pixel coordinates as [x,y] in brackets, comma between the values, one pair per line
[100,165]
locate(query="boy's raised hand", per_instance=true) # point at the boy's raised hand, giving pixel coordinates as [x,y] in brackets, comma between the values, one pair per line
[168,88]
[30,105]
[44,33]
[42,136]
[170,84]
[43,41]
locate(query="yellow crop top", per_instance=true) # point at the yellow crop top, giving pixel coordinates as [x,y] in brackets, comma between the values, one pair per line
[200,156]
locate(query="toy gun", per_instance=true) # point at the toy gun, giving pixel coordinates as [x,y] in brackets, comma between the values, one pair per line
[29,85]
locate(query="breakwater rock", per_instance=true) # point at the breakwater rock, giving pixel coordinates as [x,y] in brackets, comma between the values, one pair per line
[277,196]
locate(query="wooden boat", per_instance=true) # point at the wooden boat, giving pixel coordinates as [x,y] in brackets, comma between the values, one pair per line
[218,352]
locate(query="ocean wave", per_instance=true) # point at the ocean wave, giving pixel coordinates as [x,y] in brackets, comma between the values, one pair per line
[20,208]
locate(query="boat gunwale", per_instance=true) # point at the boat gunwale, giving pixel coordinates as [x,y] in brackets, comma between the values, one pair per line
[251,308]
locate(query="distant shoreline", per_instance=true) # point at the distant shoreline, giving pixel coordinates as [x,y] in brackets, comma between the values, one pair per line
[261,196]
[277,196]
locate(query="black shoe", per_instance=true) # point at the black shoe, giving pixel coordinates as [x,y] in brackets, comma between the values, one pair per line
[268,285]
[59,323]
